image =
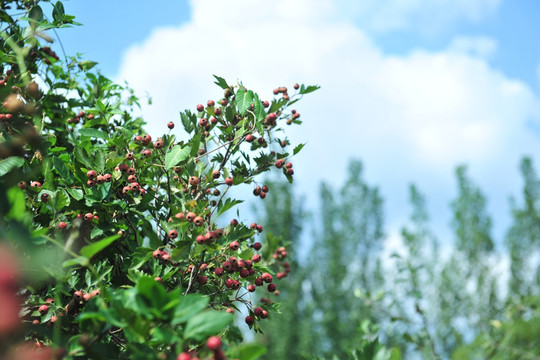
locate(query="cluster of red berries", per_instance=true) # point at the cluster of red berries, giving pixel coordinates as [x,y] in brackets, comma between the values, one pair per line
[48,52]
[77,118]
[261,191]
[95,178]
[33,184]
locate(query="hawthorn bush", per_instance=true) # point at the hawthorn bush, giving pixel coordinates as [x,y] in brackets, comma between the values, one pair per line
[116,243]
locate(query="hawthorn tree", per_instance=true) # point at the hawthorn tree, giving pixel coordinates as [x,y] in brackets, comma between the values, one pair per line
[120,243]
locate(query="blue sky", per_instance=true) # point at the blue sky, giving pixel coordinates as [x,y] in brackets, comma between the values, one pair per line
[412,87]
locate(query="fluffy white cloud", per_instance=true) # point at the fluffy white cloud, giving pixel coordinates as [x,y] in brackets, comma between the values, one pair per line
[410,118]
[426,16]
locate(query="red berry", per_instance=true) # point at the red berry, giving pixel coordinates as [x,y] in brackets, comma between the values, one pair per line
[61,226]
[296,86]
[259,228]
[184,356]
[88,216]
[250,138]
[251,288]
[173,234]
[229,181]
[265,188]
[250,320]
[234,245]
[262,195]
[200,107]
[213,343]
[272,287]
[218,272]
[91,174]
[43,309]
[266,277]
[201,239]
[257,246]
[210,103]
[170,125]
[22,185]
[146,139]
[258,311]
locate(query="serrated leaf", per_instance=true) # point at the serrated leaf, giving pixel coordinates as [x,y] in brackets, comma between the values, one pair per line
[298,148]
[308,89]
[220,82]
[9,164]
[62,170]
[229,204]
[258,108]
[94,133]
[92,249]
[176,155]
[77,194]
[206,324]
[62,199]
[99,160]
[82,157]
[244,99]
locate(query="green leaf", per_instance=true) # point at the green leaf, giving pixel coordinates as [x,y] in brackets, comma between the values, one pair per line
[258,108]
[252,351]
[229,204]
[35,14]
[80,260]
[96,232]
[206,324]
[189,306]
[62,199]
[220,82]
[76,193]
[244,99]
[82,157]
[92,249]
[58,12]
[9,164]
[62,170]
[17,202]
[94,133]
[176,155]
[298,148]
[87,64]
[308,89]
[99,161]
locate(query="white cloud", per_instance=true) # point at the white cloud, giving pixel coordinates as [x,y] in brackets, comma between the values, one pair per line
[483,47]
[426,16]
[410,118]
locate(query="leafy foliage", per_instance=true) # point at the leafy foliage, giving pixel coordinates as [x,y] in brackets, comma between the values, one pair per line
[124,254]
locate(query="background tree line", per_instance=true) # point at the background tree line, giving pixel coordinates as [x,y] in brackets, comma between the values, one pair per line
[344,300]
